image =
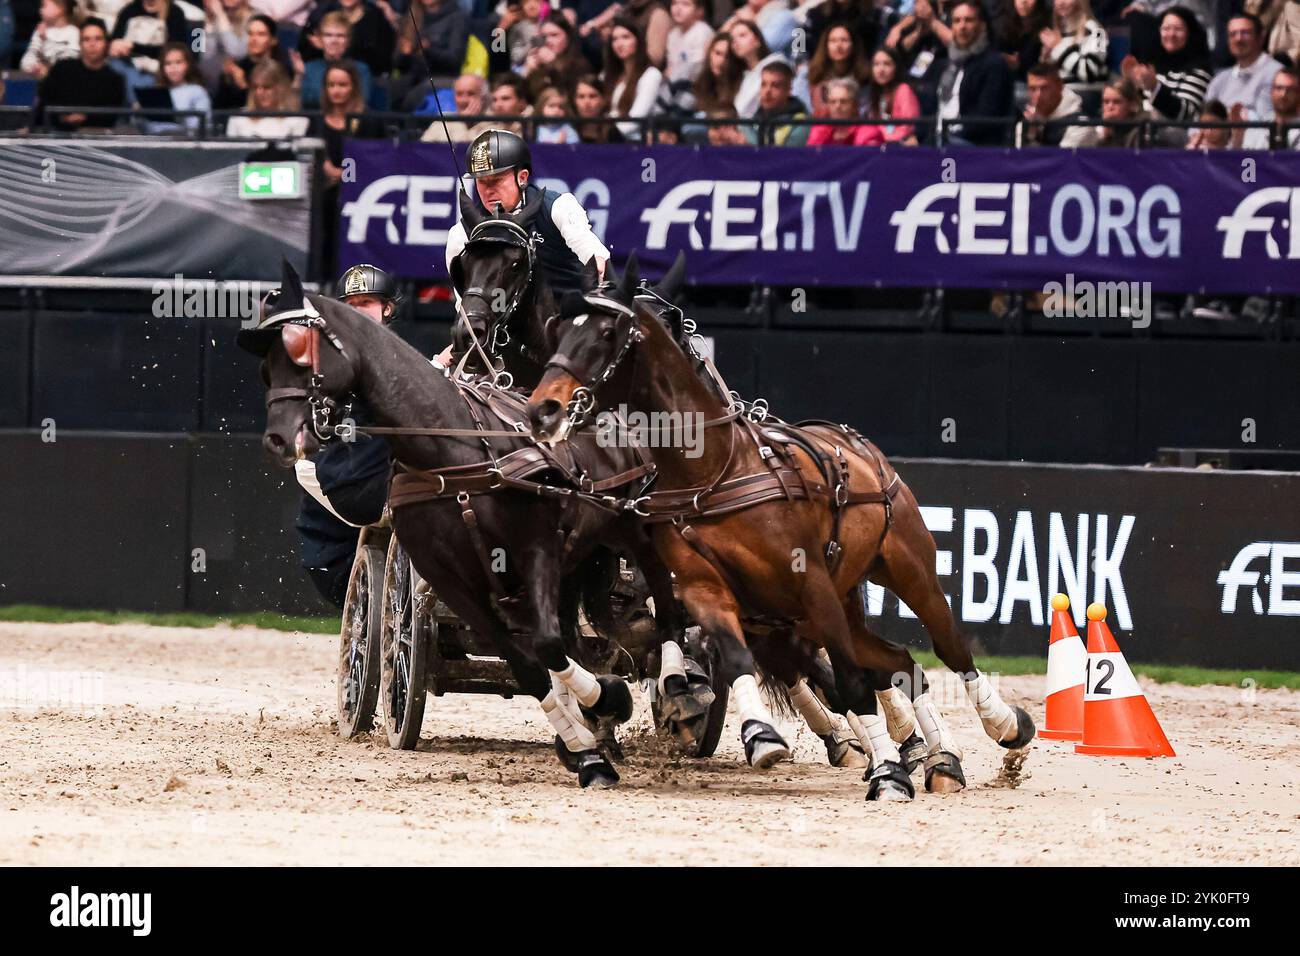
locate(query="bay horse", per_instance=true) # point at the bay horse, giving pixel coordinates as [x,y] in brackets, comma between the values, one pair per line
[506,307]
[493,547]
[772,522]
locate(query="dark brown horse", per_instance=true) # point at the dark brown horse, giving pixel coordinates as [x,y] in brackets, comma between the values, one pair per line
[772,524]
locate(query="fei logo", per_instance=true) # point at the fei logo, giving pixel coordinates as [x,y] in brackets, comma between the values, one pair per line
[1246,219]
[74,908]
[1238,575]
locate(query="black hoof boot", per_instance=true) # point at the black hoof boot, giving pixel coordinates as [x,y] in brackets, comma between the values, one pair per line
[567,756]
[763,745]
[913,752]
[943,773]
[682,709]
[889,781]
[846,753]
[594,770]
[607,739]
[1025,731]
[615,699]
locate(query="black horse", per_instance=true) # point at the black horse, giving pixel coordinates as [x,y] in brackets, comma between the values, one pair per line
[501,556]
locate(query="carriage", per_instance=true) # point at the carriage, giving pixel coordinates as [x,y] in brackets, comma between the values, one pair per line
[398,644]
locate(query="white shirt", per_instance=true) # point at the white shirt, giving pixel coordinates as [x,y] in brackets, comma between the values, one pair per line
[569,217]
[266,127]
[687,51]
[647,94]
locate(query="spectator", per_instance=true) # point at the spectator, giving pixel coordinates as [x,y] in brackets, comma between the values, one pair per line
[225,27]
[725,134]
[551,103]
[180,75]
[8,44]
[142,28]
[55,38]
[889,97]
[668,133]
[1051,105]
[858,15]
[522,24]
[653,23]
[373,36]
[1144,18]
[443,35]
[1020,27]
[1285,96]
[559,60]
[85,81]
[1076,43]
[261,45]
[772,17]
[1284,31]
[1175,80]
[291,12]
[1121,110]
[1202,137]
[595,18]
[336,40]
[509,98]
[631,82]
[751,49]
[688,46]
[841,101]
[837,57]
[341,102]
[719,82]
[471,93]
[591,105]
[270,91]
[1249,81]
[977,82]
[777,107]
[921,40]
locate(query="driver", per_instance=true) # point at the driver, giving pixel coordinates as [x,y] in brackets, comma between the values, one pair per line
[501,166]
[345,484]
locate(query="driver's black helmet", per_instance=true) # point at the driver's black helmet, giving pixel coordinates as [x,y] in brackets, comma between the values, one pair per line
[496,150]
[365,279]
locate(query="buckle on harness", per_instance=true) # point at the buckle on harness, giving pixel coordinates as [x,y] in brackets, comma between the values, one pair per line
[635,506]
[841,494]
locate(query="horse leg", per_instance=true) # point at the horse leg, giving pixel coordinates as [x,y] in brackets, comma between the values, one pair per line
[907,569]
[603,696]
[938,749]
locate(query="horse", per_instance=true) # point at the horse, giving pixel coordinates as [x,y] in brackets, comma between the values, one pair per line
[773,522]
[506,307]
[469,503]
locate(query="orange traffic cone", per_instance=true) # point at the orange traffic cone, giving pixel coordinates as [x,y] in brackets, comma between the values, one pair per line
[1066,662]
[1117,720]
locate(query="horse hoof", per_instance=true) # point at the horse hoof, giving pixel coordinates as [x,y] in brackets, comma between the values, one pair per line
[890,782]
[764,747]
[1025,731]
[567,756]
[943,773]
[595,771]
[615,699]
[846,754]
[913,751]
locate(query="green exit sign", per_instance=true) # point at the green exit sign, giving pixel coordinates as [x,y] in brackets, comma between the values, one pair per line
[270,180]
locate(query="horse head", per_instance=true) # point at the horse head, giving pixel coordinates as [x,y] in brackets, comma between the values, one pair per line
[494,271]
[307,367]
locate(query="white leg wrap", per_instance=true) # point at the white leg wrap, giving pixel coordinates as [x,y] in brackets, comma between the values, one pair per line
[749,704]
[873,731]
[582,682]
[672,662]
[575,736]
[933,729]
[998,719]
[898,713]
[814,712]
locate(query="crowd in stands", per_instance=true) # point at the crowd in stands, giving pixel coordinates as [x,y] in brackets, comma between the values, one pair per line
[827,72]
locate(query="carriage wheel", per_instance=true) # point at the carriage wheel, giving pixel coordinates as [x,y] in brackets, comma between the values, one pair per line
[403,653]
[359,640]
[706,655]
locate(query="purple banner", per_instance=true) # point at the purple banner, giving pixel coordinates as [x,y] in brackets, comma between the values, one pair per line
[1226,222]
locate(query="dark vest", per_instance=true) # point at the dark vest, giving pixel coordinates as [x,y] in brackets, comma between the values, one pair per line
[562,268]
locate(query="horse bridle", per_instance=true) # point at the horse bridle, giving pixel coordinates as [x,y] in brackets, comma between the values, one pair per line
[520,238]
[321,406]
[583,399]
